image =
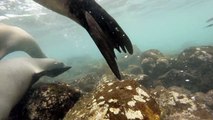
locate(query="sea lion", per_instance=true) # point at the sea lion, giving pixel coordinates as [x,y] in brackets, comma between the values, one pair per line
[13,38]
[18,74]
[104,30]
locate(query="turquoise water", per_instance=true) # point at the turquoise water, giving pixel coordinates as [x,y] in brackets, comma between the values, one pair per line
[167,25]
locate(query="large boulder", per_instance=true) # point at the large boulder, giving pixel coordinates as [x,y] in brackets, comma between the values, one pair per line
[154,63]
[46,102]
[116,100]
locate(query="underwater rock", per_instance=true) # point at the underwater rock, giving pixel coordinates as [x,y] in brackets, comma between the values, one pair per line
[180,78]
[198,61]
[125,61]
[142,79]
[209,99]
[46,102]
[134,69]
[118,100]
[196,58]
[86,83]
[180,106]
[206,98]
[154,63]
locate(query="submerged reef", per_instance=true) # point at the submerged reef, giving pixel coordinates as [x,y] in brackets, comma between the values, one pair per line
[155,86]
[118,100]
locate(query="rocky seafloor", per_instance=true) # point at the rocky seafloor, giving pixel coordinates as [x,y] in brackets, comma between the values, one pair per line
[155,86]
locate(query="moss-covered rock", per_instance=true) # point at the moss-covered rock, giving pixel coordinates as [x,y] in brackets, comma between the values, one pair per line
[118,100]
[46,102]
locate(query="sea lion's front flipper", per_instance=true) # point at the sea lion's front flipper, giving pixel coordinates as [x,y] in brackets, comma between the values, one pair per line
[51,73]
[104,30]
[116,36]
[106,33]
[102,43]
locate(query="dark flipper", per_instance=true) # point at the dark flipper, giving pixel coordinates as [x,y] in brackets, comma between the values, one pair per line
[104,30]
[101,41]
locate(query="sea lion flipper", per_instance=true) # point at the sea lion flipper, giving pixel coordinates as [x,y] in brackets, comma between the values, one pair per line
[51,73]
[116,36]
[109,34]
[102,42]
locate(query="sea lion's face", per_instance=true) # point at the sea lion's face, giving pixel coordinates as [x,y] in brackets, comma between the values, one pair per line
[59,6]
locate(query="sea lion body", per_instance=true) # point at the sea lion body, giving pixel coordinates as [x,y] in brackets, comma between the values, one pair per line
[17,75]
[13,38]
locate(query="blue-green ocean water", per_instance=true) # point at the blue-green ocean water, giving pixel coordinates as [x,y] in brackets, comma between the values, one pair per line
[167,25]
